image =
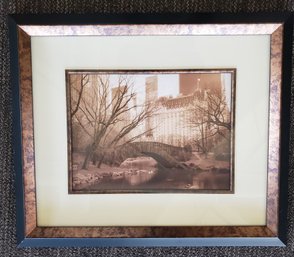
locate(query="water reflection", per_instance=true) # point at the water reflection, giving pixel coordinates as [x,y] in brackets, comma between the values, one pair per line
[158,179]
[139,177]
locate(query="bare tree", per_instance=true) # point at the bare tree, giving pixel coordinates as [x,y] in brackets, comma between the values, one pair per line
[210,118]
[78,88]
[109,116]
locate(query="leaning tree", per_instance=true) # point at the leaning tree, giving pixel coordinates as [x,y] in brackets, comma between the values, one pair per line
[110,117]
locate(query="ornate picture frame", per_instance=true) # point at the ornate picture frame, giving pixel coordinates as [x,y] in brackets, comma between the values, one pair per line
[278,28]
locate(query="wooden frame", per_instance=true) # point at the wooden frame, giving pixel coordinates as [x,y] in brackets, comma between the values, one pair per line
[278,26]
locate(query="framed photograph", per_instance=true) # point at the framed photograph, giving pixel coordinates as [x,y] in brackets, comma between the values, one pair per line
[165,131]
[151,130]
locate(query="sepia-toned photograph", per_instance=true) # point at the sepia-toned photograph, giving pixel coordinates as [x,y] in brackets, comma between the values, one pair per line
[151,131]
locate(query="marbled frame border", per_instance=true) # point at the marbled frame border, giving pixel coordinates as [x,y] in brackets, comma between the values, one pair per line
[271,229]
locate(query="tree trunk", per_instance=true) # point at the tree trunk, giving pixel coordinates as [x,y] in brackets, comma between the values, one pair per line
[94,159]
[88,158]
[100,161]
[112,159]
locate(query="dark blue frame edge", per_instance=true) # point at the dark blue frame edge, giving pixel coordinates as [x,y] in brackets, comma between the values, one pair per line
[16,123]
[150,242]
[280,240]
[285,127]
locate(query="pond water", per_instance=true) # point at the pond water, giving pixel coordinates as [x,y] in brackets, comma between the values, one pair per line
[153,179]
[141,177]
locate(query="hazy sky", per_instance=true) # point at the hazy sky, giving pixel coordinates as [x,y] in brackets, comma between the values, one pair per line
[168,84]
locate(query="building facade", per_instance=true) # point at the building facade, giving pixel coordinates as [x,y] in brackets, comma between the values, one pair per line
[171,123]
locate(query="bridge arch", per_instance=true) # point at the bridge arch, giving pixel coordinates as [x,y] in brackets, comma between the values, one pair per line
[166,155]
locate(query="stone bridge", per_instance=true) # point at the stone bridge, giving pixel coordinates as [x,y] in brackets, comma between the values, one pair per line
[166,155]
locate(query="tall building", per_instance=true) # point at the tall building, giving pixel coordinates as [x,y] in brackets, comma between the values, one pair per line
[116,95]
[171,122]
[151,96]
[189,82]
[151,88]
